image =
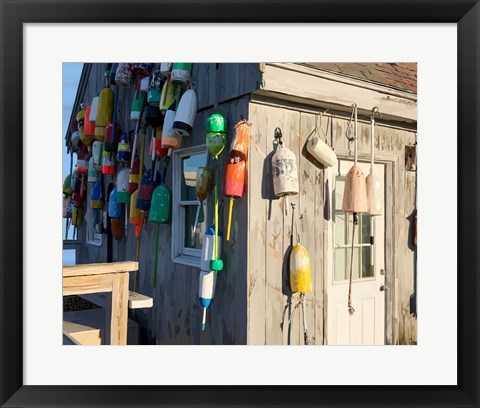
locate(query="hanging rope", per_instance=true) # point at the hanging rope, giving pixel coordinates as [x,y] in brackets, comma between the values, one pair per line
[351,310]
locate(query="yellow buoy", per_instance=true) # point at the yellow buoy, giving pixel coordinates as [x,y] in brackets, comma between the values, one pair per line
[104,113]
[300,274]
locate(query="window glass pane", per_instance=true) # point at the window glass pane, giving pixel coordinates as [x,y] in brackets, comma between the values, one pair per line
[350,230]
[366,227]
[194,240]
[356,262]
[339,187]
[340,228]
[190,164]
[367,269]
[340,264]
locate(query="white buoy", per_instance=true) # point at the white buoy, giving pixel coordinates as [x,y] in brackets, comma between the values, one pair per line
[166,68]
[208,248]
[207,281]
[92,172]
[169,139]
[207,278]
[321,151]
[144,83]
[93,111]
[374,184]
[284,171]
[97,152]
[185,114]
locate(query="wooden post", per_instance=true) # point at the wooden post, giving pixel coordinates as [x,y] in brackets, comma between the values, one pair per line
[119,319]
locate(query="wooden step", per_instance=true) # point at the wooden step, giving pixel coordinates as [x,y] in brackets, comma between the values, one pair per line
[92,327]
[135,300]
[84,331]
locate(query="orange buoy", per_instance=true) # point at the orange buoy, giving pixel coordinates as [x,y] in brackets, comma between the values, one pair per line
[236,167]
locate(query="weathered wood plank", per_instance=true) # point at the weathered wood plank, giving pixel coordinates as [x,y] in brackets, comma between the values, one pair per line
[257,226]
[79,285]
[99,268]
[119,316]
[291,83]
[310,196]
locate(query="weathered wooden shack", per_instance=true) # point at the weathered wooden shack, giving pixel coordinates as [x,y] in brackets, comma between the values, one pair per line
[253,303]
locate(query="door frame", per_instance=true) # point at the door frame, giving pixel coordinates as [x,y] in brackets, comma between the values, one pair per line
[390,208]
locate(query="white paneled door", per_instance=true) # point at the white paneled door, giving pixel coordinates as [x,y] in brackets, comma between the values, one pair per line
[366,326]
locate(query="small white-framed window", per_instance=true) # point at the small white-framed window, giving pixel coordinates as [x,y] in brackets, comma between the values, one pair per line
[187,243]
[362,255]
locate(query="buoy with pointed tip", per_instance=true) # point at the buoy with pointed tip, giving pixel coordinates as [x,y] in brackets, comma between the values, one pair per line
[114,206]
[207,281]
[181,72]
[236,168]
[185,114]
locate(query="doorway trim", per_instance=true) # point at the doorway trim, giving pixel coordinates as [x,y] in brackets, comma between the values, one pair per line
[391,171]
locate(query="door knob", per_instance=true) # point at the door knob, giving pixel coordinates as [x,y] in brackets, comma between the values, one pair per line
[383,288]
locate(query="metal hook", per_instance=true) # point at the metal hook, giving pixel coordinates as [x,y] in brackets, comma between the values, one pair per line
[375,112]
[278,136]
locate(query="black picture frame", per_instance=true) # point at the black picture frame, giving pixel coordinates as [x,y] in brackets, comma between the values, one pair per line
[465,13]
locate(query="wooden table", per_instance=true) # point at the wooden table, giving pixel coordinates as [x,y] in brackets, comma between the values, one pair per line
[103,277]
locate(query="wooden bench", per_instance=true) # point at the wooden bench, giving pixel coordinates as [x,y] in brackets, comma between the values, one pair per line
[104,277]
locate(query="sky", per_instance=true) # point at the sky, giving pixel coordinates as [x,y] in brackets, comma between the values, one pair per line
[70,78]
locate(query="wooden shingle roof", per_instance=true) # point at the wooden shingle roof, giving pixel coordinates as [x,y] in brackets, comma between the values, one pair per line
[396,75]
